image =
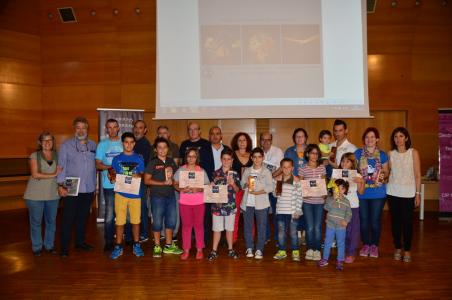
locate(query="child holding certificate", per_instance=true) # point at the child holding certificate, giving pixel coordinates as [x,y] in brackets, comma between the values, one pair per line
[128,168]
[257,181]
[159,175]
[189,180]
[223,214]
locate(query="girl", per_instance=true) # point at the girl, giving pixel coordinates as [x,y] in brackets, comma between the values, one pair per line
[313,206]
[257,181]
[191,206]
[373,166]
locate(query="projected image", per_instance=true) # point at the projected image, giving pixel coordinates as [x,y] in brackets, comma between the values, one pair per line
[301,44]
[220,45]
[262,45]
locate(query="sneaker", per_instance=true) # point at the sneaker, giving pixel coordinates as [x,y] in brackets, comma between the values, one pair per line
[143,239]
[258,254]
[249,253]
[233,254]
[398,254]
[373,251]
[37,253]
[199,254]
[185,255]
[54,252]
[322,263]
[137,250]
[309,254]
[407,258]
[340,265]
[296,255]
[316,256]
[157,252]
[172,249]
[364,251]
[333,245]
[281,254]
[349,259]
[212,256]
[117,252]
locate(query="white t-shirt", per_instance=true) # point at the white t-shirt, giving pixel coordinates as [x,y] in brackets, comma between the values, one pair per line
[345,147]
[352,194]
[217,156]
[251,201]
[273,157]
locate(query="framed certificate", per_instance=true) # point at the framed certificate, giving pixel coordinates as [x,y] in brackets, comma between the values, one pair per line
[72,185]
[127,184]
[216,193]
[313,187]
[347,175]
[193,179]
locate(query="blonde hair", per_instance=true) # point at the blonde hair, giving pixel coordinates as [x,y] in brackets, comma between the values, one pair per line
[352,158]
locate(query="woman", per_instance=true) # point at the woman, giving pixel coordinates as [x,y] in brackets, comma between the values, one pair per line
[257,182]
[313,206]
[296,152]
[241,144]
[403,190]
[191,206]
[41,194]
[373,166]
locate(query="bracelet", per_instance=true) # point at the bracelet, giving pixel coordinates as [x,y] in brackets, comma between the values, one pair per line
[418,193]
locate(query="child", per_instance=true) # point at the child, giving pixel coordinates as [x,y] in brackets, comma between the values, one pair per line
[324,145]
[130,164]
[288,209]
[158,175]
[223,214]
[339,214]
[352,237]
[191,206]
[257,181]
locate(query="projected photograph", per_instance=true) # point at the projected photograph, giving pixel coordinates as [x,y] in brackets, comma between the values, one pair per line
[261,44]
[301,44]
[220,45]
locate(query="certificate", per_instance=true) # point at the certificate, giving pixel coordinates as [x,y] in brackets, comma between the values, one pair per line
[72,185]
[270,167]
[313,187]
[216,193]
[347,175]
[193,179]
[127,184]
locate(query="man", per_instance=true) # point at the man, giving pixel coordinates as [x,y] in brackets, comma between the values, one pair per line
[341,143]
[272,159]
[77,159]
[163,132]
[146,150]
[106,150]
[203,146]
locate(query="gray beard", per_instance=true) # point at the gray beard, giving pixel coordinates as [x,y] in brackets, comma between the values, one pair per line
[81,138]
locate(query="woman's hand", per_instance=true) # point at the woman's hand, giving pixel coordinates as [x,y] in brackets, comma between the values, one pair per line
[62,191]
[417,200]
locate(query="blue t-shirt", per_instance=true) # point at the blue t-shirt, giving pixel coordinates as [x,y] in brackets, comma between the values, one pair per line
[105,152]
[298,162]
[372,191]
[128,165]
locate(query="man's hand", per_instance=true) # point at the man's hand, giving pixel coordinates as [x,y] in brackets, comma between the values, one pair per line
[62,191]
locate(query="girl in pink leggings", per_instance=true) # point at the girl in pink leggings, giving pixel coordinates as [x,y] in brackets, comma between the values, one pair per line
[191,202]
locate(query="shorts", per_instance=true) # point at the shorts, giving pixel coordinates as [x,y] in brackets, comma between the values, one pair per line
[221,223]
[121,205]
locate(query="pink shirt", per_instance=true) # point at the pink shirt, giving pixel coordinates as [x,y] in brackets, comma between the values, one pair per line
[192,198]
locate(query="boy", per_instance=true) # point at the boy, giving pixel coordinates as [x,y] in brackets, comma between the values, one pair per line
[159,175]
[288,209]
[339,214]
[130,164]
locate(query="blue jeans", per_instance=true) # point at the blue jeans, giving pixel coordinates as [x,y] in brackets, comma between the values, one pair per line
[109,218]
[36,210]
[287,222]
[272,199]
[313,216]
[176,228]
[370,220]
[163,209]
[261,226]
[330,234]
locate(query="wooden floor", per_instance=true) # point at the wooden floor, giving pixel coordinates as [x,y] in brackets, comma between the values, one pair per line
[94,276]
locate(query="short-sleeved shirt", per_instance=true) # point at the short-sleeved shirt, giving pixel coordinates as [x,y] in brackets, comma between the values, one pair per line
[225,209]
[128,165]
[297,158]
[105,152]
[372,191]
[145,149]
[310,173]
[156,168]
[191,198]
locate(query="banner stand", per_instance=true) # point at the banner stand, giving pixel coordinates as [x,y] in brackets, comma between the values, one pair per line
[445,163]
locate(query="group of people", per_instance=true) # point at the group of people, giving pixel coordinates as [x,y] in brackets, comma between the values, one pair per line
[264,184]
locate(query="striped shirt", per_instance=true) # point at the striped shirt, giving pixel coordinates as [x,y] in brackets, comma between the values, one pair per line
[307,173]
[290,201]
[338,210]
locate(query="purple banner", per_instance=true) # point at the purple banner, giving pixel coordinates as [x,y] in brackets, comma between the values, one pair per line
[445,161]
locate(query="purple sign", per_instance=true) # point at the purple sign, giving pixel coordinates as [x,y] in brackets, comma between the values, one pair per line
[445,162]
